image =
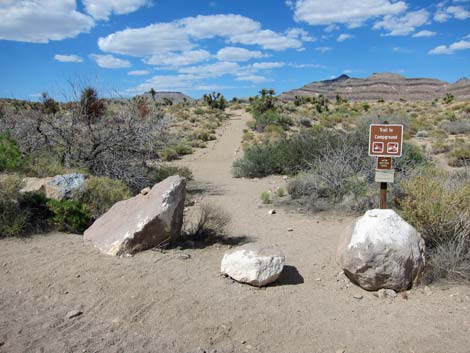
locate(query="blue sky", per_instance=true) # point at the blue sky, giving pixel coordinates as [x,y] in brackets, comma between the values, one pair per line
[126,47]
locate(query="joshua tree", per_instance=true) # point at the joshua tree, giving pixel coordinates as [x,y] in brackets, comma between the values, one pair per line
[215,100]
[152,93]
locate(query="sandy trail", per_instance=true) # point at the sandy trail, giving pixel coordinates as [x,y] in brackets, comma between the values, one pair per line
[159,302]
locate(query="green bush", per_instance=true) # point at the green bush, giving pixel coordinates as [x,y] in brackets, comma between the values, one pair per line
[101,193]
[70,215]
[21,214]
[437,203]
[164,171]
[10,155]
[271,117]
[12,220]
[183,149]
[169,154]
[265,197]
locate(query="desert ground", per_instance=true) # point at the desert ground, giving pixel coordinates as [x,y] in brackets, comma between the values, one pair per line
[58,294]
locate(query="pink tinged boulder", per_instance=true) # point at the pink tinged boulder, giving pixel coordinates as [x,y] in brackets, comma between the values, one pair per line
[381,251]
[141,222]
[255,265]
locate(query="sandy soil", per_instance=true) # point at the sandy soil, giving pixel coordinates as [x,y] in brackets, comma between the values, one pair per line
[162,302]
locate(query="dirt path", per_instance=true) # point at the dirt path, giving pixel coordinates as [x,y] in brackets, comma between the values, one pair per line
[161,302]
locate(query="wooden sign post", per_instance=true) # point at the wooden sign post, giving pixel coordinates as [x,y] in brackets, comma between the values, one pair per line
[385,142]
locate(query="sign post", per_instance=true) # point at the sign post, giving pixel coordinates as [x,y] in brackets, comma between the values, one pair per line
[385,142]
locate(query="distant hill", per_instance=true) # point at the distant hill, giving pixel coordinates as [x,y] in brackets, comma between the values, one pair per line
[387,86]
[176,97]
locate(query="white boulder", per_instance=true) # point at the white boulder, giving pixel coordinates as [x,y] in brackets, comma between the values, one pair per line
[381,250]
[255,265]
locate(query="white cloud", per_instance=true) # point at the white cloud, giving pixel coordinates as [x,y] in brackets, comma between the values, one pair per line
[450,49]
[68,58]
[304,66]
[323,50]
[352,12]
[214,70]
[39,21]
[403,25]
[147,41]
[238,54]
[424,33]
[267,65]
[252,78]
[110,62]
[184,34]
[344,36]
[102,9]
[184,58]
[443,14]
[138,73]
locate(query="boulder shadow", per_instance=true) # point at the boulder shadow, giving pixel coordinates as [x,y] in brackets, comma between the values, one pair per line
[234,240]
[290,276]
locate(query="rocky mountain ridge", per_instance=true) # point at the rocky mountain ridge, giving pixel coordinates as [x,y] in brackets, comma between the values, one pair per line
[386,86]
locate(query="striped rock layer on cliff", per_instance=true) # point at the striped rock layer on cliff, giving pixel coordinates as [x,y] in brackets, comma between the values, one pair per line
[387,86]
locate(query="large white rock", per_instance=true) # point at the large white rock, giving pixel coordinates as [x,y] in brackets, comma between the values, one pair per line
[380,250]
[141,222]
[58,187]
[255,265]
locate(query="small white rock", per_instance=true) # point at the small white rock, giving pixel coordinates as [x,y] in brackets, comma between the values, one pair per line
[271,212]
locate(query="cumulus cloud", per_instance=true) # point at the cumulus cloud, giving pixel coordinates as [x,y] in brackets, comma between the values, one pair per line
[235,54]
[102,9]
[450,49]
[184,34]
[352,13]
[344,36]
[68,58]
[138,73]
[40,21]
[403,25]
[110,62]
[424,33]
[178,59]
[252,78]
[443,14]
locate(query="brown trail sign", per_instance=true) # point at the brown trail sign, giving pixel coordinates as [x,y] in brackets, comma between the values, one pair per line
[385,142]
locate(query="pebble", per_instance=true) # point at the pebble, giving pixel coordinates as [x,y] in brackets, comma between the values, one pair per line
[74,313]
[185,256]
[290,229]
[318,279]
[357,296]
[427,290]
[273,211]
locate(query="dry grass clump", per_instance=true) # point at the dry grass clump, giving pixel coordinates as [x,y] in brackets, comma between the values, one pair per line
[437,203]
[209,222]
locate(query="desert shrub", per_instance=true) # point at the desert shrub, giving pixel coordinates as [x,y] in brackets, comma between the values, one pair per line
[199,111]
[437,203]
[270,117]
[70,215]
[21,213]
[281,192]
[79,136]
[99,194]
[305,122]
[10,155]
[210,222]
[183,149]
[265,197]
[456,127]
[264,102]
[12,220]
[164,171]
[169,154]
[460,156]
